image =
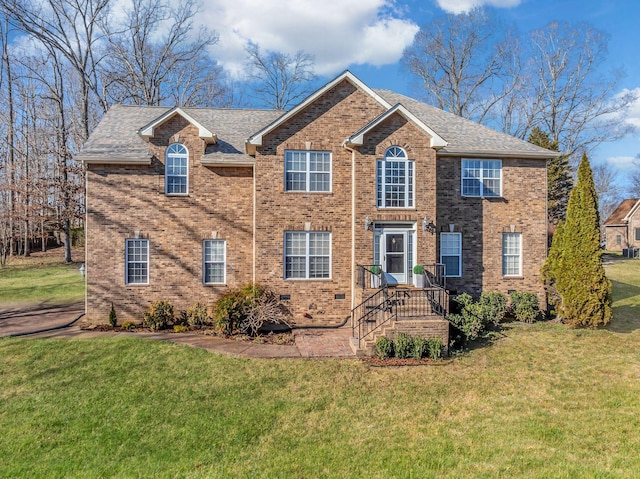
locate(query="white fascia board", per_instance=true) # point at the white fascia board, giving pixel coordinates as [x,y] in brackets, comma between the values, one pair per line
[256,139]
[148,131]
[631,212]
[498,154]
[437,141]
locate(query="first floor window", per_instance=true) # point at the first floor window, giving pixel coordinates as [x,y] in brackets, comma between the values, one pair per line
[637,234]
[214,255]
[512,254]
[451,253]
[307,255]
[137,261]
[618,239]
[307,170]
[482,178]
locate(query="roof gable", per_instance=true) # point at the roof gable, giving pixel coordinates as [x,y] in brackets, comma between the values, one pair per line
[148,131]
[357,138]
[256,139]
[623,213]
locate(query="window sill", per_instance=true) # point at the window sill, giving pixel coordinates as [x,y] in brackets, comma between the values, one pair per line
[136,285]
[177,195]
[208,285]
[517,278]
[309,192]
[307,279]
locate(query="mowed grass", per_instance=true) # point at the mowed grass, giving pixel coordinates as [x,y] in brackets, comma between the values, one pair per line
[42,278]
[540,401]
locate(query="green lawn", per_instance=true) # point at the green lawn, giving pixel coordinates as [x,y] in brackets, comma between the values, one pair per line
[540,401]
[41,278]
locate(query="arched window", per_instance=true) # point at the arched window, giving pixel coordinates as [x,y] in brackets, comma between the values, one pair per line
[394,180]
[176,171]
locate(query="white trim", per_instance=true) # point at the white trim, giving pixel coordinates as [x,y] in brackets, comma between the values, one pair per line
[126,261]
[224,261]
[459,235]
[493,155]
[307,235]
[307,172]
[148,131]
[520,255]
[256,139]
[481,179]
[100,160]
[410,177]
[166,176]
[631,212]
[357,139]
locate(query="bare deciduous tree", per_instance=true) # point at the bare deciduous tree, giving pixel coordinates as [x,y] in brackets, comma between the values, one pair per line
[149,68]
[605,182]
[280,80]
[468,64]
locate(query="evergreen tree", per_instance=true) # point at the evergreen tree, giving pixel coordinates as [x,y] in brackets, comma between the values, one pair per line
[580,277]
[551,268]
[559,178]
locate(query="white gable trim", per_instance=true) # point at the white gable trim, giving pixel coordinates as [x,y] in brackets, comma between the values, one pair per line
[256,139]
[631,212]
[357,138]
[148,131]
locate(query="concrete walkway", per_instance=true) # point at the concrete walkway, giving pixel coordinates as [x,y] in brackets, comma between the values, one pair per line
[309,343]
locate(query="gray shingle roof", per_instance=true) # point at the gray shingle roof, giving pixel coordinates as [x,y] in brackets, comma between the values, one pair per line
[116,136]
[465,136]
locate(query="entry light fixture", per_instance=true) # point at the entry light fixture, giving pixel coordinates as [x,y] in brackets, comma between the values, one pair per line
[367,223]
[428,225]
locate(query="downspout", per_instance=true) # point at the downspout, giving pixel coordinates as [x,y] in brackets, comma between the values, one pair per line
[353,221]
[253,235]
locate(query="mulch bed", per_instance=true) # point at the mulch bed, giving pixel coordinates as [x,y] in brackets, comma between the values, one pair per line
[377,362]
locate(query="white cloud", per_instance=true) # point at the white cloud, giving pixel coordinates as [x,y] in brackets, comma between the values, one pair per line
[337,32]
[632,115]
[461,6]
[622,163]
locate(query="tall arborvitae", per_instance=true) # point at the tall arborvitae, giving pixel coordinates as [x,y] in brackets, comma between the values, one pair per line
[559,178]
[551,268]
[580,277]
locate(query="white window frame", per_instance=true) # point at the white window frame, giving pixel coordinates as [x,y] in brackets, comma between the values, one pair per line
[517,255]
[307,154]
[395,154]
[485,165]
[307,235]
[205,262]
[444,235]
[128,263]
[173,155]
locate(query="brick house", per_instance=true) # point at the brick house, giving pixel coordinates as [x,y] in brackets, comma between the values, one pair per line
[327,204]
[622,227]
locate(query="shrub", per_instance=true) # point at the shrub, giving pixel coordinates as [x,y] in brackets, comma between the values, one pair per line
[180,328]
[403,345]
[384,348]
[159,315]
[434,345]
[245,310]
[375,269]
[197,315]
[469,321]
[113,319]
[419,346]
[128,326]
[418,269]
[525,306]
[492,307]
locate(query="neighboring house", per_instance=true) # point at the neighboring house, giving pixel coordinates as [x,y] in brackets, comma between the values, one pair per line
[185,203]
[622,227]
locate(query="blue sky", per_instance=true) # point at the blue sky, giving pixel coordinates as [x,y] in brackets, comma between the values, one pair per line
[368,37]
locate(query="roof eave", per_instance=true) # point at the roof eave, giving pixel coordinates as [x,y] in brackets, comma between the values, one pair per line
[499,154]
[102,160]
[148,131]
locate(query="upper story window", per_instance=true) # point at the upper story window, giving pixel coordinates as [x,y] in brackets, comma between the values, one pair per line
[394,180]
[307,170]
[177,170]
[482,178]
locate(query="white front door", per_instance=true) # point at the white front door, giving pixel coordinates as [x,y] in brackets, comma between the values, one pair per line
[394,253]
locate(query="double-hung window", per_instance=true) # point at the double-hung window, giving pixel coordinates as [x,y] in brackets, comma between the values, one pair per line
[177,170]
[214,261]
[394,180]
[482,178]
[307,170]
[512,254]
[637,231]
[307,255]
[451,253]
[137,261]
